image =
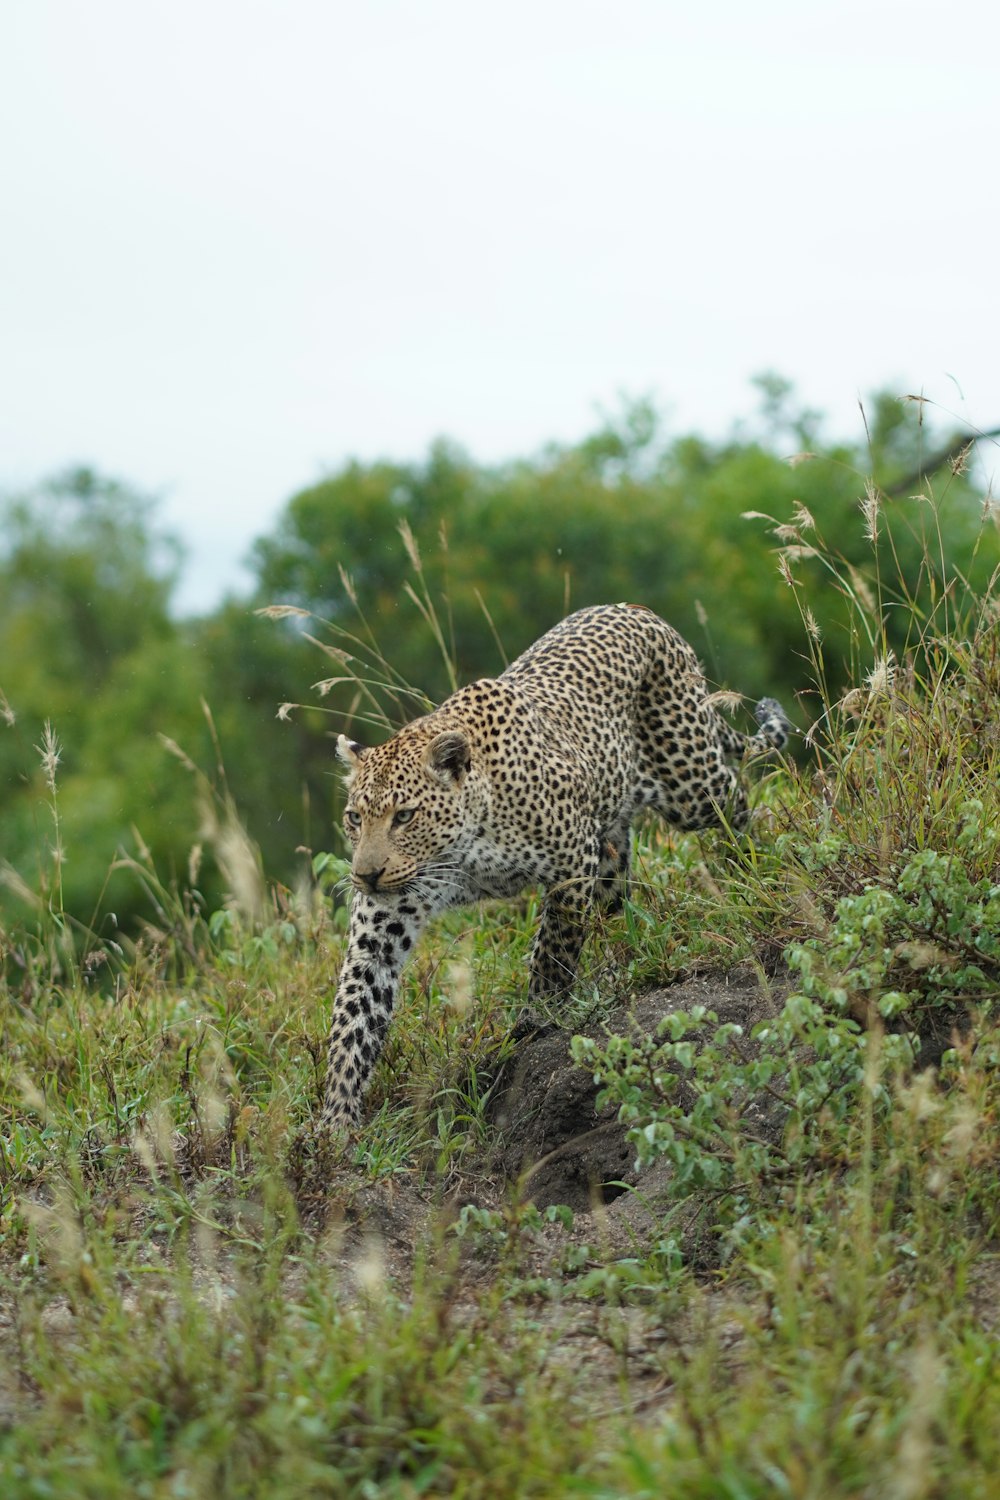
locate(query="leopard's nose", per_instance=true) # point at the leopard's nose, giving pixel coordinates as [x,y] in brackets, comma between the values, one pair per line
[370,878]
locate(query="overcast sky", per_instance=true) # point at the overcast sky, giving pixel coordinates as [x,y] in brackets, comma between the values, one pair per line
[243,241]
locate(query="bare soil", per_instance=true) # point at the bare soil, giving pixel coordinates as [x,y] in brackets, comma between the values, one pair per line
[553,1145]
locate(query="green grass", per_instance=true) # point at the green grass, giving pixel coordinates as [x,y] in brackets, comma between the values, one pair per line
[197,1298]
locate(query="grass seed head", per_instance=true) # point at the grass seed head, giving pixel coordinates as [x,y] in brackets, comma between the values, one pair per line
[50,752]
[460,985]
[880,679]
[870,507]
[412,550]
[282,612]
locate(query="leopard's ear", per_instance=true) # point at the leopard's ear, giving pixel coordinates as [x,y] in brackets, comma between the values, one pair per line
[350,752]
[448,756]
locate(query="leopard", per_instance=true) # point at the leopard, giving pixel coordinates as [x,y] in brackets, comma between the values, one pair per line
[531,779]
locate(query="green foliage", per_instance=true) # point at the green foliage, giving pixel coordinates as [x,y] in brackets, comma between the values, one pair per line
[198,1297]
[184,1308]
[88,646]
[692,1093]
[630,513]
[490,557]
[85,583]
[885,874]
[929,940]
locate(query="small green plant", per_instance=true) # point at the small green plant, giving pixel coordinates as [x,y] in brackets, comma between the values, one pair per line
[929,939]
[506,1230]
[738,1117]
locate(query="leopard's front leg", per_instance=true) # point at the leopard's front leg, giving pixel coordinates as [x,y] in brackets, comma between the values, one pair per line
[382,932]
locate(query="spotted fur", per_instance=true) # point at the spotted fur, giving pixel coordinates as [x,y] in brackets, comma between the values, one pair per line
[532,778]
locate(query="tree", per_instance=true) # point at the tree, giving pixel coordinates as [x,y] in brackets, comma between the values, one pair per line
[631,513]
[444,569]
[88,646]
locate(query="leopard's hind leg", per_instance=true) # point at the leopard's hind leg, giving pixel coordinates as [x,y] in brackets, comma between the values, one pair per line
[614,870]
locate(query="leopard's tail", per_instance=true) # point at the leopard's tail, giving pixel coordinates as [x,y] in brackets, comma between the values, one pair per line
[772,734]
[774,726]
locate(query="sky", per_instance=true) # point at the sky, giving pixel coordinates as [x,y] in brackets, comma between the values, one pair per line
[243,242]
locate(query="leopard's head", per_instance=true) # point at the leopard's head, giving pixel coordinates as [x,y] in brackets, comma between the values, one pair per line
[408,808]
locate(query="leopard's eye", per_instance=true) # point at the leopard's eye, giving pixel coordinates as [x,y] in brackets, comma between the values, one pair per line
[352,818]
[403,816]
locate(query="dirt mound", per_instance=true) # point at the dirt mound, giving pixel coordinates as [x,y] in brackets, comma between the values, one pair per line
[556,1143]
[553,1146]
